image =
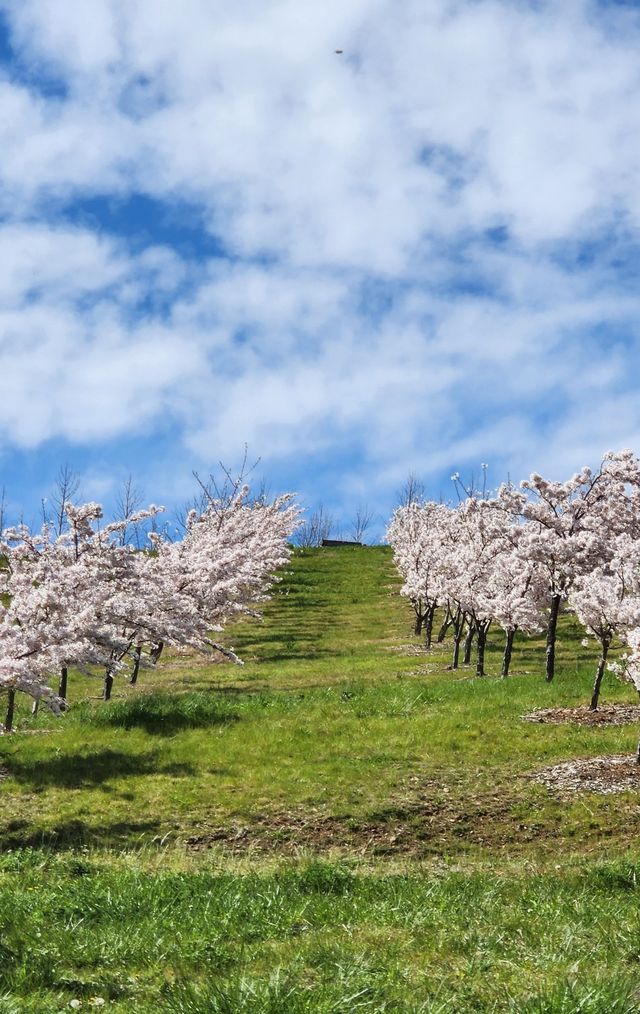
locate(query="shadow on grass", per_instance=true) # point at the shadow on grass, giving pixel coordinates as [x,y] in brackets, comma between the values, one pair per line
[162,714]
[84,770]
[289,637]
[296,656]
[282,647]
[283,604]
[20,834]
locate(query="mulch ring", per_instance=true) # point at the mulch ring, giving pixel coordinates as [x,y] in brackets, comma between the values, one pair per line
[612,714]
[606,775]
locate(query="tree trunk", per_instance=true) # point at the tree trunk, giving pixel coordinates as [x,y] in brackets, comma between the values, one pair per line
[446,623]
[605,642]
[62,686]
[428,630]
[551,637]
[482,643]
[136,665]
[455,661]
[108,683]
[468,645]
[156,652]
[417,627]
[508,649]
[458,626]
[11,704]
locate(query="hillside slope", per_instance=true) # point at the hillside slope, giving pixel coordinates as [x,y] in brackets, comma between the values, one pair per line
[341,824]
[336,719]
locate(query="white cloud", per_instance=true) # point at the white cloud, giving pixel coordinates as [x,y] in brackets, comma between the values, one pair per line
[60,263]
[528,113]
[73,363]
[364,305]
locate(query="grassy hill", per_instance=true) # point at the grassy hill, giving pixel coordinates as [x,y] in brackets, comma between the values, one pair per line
[340,825]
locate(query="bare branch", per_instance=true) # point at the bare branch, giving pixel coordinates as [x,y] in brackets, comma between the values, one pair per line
[314,529]
[362,522]
[411,492]
[129,499]
[65,490]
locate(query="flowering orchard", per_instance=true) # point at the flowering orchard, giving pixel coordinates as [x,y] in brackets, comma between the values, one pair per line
[82,599]
[514,560]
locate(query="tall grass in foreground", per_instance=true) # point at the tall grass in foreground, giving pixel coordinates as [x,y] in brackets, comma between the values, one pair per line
[317,936]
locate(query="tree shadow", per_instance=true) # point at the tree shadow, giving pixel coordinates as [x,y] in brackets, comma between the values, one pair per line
[293,634]
[298,656]
[164,714]
[303,602]
[90,770]
[20,834]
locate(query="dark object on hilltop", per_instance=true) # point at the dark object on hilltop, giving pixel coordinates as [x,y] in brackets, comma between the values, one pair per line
[340,542]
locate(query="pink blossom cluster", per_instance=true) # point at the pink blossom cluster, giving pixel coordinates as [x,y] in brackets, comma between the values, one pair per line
[464,559]
[521,556]
[83,599]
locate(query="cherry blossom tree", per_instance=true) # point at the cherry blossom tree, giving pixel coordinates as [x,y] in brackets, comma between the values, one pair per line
[516,558]
[83,599]
[628,668]
[465,559]
[58,601]
[516,591]
[416,534]
[222,568]
[455,529]
[182,592]
[567,527]
[607,601]
[443,555]
[478,538]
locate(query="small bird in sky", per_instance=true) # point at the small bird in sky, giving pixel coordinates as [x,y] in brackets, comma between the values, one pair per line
[337,51]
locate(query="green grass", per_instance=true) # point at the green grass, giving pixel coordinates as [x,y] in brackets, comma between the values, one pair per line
[316,936]
[338,825]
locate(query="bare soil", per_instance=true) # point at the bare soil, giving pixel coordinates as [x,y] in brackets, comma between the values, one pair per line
[607,775]
[610,714]
[425,670]
[410,649]
[426,821]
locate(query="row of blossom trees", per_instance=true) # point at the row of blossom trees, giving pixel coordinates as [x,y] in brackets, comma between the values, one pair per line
[516,558]
[84,598]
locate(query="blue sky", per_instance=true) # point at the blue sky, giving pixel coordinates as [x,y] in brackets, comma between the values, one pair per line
[416,256]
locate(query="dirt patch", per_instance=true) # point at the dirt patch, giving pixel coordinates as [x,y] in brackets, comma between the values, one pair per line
[612,714]
[425,670]
[606,775]
[416,827]
[410,649]
[286,832]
